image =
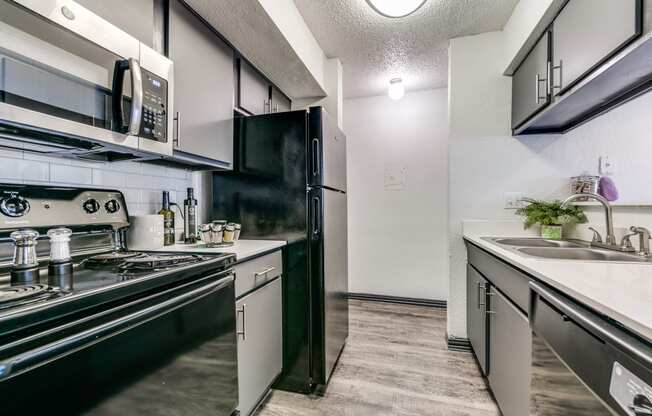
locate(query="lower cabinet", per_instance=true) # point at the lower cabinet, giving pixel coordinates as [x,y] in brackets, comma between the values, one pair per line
[510,355]
[260,343]
[476,316]
[499,330]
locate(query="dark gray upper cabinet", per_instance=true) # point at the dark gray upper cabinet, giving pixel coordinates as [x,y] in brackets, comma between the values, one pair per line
[204,82]
[254,90]
[134,17]
[476,316]
[280,103]
[531,83]
[586,32]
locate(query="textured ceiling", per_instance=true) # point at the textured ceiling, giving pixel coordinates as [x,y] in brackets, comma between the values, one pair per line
[375,49]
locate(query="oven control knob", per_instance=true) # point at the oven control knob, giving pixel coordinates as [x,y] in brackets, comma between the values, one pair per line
[91,206]
[14,205]
[112,206]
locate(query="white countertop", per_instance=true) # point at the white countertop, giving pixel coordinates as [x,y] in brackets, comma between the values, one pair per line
[621,291]
[243,249]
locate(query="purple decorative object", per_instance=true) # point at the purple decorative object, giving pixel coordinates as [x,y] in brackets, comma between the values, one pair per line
[607,188]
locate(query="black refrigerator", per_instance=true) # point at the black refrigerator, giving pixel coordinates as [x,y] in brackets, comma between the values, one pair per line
[289,183]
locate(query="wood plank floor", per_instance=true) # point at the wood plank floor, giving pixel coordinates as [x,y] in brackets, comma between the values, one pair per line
[395,363]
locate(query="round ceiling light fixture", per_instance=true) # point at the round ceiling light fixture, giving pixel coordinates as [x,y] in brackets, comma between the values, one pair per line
[396,89]
[396,8]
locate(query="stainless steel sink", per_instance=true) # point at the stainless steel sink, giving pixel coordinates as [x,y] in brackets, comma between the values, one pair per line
[586,254]
[563,250]
[537,242]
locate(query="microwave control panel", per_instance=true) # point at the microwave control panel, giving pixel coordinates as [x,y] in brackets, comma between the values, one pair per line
[155,112]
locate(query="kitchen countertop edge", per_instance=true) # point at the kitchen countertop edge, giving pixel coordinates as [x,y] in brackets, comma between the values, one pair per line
[572,279]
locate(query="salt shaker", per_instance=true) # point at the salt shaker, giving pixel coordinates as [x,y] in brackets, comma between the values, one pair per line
[60,266]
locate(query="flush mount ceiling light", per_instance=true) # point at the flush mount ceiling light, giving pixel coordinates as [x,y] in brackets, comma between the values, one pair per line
[396,8]
[396,89]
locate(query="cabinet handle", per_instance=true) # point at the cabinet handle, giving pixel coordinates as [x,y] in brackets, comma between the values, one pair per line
[561,73]
[264,272]
[177,131]
[487,311]
[537,90]
[479,300]
[243,311]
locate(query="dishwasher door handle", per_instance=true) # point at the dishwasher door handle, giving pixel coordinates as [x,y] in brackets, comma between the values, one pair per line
[591,323]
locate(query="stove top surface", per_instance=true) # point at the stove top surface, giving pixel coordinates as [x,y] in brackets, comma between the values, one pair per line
[103,271]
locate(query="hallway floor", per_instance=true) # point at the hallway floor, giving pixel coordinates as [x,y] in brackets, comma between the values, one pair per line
[395,363]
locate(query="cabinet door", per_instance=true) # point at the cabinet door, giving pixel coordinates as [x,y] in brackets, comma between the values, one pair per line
[203,87]
[530,84]
[280,103]
[476,318]
[260,343]
[587,32]
[510,355]
[254,90]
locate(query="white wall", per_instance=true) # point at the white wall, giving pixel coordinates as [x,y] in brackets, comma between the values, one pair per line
[486,161]
[141,183]
[397,238]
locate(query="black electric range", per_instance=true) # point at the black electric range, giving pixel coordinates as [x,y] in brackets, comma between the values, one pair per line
[127,333]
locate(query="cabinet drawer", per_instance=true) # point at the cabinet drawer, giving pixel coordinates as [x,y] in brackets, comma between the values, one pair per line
[253,273]
[507,279]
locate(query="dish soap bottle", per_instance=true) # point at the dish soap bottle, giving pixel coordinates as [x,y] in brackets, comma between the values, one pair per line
[190,218]
[168,220]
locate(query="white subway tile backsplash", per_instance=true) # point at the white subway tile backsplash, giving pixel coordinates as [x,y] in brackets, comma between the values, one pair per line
[21,169]
[71,174]
[177,173]
[105,178]
[140,183]
[154,170]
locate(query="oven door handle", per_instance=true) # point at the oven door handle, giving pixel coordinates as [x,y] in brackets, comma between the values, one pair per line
[133,67]
[60,348]
[592,324]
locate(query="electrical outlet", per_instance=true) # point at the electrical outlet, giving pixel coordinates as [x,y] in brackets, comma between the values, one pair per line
[607,166]
[513,200]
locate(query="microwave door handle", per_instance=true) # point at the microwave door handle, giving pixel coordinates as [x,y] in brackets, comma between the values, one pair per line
[133,67]
[137,97]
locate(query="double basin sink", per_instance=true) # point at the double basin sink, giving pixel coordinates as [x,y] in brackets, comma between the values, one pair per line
[564,250]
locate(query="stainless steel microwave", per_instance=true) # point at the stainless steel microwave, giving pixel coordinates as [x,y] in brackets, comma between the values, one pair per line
[69,77]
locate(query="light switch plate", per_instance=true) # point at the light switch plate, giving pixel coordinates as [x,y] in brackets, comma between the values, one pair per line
[607,166]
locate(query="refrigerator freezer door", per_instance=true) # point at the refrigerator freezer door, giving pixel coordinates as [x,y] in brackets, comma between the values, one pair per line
[329,274]
[327,151]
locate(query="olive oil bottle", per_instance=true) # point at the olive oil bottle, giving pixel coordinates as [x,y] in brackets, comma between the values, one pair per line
[168,220]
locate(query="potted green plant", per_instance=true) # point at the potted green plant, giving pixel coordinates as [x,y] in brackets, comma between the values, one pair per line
[551,217]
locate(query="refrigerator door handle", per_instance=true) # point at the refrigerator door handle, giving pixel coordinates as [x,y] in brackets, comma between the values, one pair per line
[316,223]
[316,168]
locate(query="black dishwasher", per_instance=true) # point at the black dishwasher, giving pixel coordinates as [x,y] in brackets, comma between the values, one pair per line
[584,364]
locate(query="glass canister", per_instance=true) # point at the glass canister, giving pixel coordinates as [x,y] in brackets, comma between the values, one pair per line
[229,233]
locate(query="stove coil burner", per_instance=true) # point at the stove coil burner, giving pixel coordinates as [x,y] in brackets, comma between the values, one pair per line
[110,259]
[152,262]
[14,295]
